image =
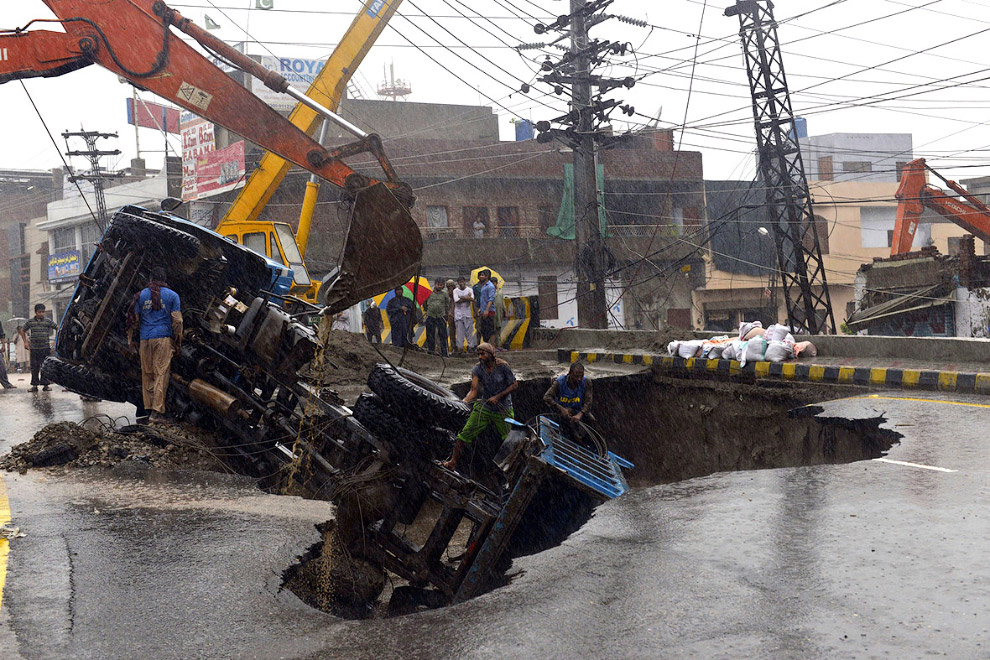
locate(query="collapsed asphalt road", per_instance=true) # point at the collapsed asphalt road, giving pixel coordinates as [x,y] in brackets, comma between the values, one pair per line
[864,559]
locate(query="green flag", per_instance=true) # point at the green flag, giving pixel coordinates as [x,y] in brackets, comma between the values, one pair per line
[264,4]
[210,23]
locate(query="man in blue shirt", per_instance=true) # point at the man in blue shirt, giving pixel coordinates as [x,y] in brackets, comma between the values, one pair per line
[157,313]
[569,397]
[486,306]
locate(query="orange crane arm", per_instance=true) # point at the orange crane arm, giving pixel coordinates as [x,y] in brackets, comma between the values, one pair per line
[134,39]
[915,194]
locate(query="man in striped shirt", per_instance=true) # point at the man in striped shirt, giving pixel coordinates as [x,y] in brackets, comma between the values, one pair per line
[37,334]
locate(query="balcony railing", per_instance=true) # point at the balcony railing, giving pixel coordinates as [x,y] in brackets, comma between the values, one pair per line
[536,231]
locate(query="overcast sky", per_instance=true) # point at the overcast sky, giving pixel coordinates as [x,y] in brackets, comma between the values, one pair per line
[903,66]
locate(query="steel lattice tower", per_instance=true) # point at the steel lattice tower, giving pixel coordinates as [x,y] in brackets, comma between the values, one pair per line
[788,200]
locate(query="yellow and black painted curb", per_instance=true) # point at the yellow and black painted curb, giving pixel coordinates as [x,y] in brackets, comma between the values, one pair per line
[884,377]
[4,543]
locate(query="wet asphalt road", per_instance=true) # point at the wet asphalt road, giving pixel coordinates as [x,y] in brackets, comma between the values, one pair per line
[864,560]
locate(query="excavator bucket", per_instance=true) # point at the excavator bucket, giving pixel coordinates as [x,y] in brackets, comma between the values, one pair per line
[382,250]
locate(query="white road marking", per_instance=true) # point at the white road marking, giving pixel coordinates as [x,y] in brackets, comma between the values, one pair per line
[914,465]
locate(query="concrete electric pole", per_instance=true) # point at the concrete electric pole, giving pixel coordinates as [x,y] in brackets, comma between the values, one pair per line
[589,112]
[589,252]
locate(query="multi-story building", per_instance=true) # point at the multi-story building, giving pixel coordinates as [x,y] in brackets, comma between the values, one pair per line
[853,179]
[24,195]
[463,174]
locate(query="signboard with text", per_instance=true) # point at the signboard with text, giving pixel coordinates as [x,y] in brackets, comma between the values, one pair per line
[197,141]
[300,73]
[63,266]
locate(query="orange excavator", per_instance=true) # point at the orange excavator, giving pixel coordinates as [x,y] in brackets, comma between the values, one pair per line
[136,40]
[915,194]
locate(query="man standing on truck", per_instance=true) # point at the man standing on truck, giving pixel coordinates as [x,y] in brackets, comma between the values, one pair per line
[39,330]
[157,312]
[437,306]
[570,398]
[494,381]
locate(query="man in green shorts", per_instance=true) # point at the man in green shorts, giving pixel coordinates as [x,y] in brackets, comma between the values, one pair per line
[494,382]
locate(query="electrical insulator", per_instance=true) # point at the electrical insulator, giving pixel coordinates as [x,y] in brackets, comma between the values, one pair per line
[638,22]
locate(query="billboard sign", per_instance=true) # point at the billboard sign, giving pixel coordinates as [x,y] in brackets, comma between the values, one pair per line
[197,140]
[300,73]
[147,114]
[63,266]
[219,170]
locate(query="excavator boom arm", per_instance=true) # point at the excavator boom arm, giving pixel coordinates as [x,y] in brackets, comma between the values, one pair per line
[915,194]
[327,89]
[133,39]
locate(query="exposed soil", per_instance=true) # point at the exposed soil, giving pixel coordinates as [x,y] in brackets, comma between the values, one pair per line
[66,445]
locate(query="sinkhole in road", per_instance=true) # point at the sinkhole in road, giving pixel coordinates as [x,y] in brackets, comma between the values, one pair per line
[672,430]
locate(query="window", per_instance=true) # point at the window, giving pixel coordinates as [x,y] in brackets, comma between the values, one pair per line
[295,261]
[826,170]
[472,215]
[89,234]
[955,243]
[63,240]
[546,288]
[857,166]
[508,221]
[548,218]
[256,241]
[436,217]
[890,237]
[900,169]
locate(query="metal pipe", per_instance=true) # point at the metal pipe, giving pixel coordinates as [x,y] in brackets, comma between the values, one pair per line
[326,112]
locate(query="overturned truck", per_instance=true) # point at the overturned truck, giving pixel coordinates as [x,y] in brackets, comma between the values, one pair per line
[249,370]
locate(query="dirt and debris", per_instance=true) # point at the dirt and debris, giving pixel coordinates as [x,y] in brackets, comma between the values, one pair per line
[99,443]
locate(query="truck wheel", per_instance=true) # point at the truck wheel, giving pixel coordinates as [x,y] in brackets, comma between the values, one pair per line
[82,380]
[427,442]
[418,398]
[138,232]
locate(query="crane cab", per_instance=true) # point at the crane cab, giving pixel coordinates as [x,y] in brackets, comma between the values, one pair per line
[276,241]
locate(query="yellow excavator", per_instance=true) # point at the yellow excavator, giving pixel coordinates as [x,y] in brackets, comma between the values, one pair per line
[275,239]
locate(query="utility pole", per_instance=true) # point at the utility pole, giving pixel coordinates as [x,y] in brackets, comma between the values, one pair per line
[589,253]
[95,174]
[589,111]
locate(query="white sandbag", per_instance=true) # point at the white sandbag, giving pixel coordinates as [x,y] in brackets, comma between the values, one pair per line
[778,351]
[754,351]
[733,349]
[776,332]
[689,349]
[744,328]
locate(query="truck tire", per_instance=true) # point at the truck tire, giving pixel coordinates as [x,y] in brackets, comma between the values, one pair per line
[82,380]
[418,398]
[138,232]
[427,442]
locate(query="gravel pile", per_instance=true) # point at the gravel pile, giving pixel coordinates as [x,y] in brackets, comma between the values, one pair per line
[67,444]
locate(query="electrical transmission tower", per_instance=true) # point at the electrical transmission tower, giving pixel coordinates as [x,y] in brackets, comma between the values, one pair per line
[95,173]
[799,253]
[581,131]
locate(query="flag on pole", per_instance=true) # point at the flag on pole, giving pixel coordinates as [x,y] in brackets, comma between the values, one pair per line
[264,4]
[210,23]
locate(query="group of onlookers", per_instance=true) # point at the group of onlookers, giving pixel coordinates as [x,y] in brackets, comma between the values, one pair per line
[454,315]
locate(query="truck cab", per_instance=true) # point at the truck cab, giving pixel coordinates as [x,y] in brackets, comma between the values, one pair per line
[276,241]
